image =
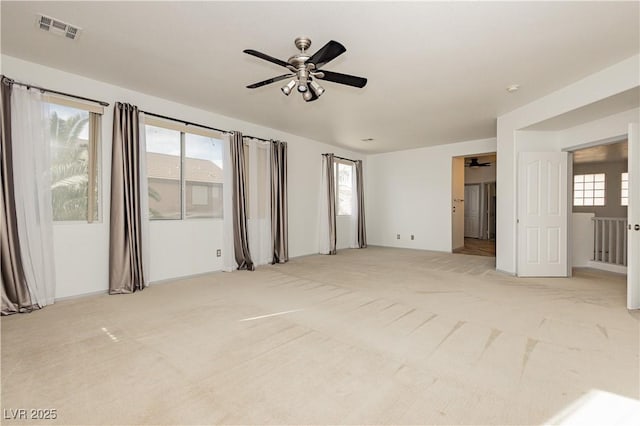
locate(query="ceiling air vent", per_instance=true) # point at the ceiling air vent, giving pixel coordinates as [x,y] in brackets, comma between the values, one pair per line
[55,26]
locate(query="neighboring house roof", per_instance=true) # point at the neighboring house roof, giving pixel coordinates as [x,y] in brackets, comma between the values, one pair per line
[164,166]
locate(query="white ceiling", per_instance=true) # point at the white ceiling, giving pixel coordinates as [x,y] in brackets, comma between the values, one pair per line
[623,101]
[437,71]
[602,153]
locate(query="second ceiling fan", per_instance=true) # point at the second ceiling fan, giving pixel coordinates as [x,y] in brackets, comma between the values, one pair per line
[305,69]
[473,163]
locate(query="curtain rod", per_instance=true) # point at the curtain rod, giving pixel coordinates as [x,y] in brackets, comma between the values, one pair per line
[42,89]
[343,158]
[106,104]
[189,123]
[253,137]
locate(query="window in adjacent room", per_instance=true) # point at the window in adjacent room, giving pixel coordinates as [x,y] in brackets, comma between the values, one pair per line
[344,187]
[588,190]
[184,168]
[74,129]
[624,191]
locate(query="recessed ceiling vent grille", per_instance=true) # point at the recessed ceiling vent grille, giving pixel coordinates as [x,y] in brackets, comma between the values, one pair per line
[55,26]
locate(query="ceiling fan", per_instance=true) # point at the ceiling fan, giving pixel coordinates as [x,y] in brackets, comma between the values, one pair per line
[305,69]
[474,163]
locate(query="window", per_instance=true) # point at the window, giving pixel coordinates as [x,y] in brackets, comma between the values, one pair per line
[164,171]
[200,195]
[203,177]
[588,190]
[624,191]
[75,136]
[184,168]
[344,187]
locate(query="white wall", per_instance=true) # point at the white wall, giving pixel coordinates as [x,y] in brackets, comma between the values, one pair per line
[608,82]
[179,248]
[410,192]
[613,127]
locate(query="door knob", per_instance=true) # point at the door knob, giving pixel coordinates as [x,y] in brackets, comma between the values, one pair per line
[637,227]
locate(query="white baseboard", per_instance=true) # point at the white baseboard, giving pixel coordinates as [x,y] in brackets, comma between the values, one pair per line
[184,277]
[502,271]
[618,269]
[77,296]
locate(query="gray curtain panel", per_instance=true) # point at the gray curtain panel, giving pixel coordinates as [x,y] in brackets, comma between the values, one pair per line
[362,227]
[279,208]
[15,293]
[126,273]
[239,196]
[331,202]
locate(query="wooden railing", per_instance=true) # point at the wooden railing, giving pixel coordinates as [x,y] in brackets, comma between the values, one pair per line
[610,240]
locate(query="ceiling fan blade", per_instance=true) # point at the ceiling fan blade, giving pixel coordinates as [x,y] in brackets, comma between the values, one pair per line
[271,80]
[349,80]
[266,57]
[327,53]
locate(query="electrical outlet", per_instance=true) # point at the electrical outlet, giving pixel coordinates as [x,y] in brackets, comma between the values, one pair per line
[218,253]
[397,236]
[412,236]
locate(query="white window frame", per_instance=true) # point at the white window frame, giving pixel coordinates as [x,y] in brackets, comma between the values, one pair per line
[337,164]
[184,129]
[587,183]
[624,192]
[94,154]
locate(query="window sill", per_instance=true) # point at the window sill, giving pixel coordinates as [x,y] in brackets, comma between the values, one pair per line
[75,222]
[189,219]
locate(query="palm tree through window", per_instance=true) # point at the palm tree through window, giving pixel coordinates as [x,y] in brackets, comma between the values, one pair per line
[74,178]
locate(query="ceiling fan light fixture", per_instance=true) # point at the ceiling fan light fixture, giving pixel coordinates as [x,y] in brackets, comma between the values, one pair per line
[307,96]
[286,89]
[316,88]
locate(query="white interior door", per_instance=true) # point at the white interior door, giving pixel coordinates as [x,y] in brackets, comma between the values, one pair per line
[472,211]
[542,214]
[633,212]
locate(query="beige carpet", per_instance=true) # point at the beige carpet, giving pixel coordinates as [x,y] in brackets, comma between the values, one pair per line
[371,336]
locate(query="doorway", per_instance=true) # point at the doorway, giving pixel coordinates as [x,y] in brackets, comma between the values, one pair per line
[477,205]
[599,188]
[613,243]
